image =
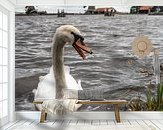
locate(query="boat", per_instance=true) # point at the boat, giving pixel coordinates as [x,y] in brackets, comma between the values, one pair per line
[109,12]
[156,10]
[61,14]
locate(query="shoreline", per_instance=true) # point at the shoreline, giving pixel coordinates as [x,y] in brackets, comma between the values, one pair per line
[22,14]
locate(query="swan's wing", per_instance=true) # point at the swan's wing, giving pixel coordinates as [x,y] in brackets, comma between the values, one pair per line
[46,87]
[71,83]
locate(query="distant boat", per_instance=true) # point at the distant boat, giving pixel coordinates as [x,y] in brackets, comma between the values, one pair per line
[31,10]
[140,9]
[109,12]
[151,10]
[156,10]
[61,14]
[90,10]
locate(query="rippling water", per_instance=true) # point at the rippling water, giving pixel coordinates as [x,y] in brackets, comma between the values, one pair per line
[109,37]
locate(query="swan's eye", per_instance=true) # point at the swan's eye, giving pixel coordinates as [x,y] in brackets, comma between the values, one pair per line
[77,37]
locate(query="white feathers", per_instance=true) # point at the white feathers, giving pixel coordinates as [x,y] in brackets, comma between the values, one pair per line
[46,87]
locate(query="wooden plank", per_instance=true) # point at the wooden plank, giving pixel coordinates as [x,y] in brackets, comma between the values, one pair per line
[95,122]
[161,121]
[73,122]
[65,122]
[102,102]
[50,123]
[111,122]
[133,122]
[28,122]
[125,122]
[47,123]
[103,122]
[87,122]
[145,123]
[54,122]
[149,123]
[21,122]
[9,125]
[32,122]
[158,125]
[37,102]
[80,122]
[141,122]
[114,102]
[35,122]
[58,122]
[93,102]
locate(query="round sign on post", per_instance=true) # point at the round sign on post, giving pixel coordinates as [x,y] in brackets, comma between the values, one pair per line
[142,46]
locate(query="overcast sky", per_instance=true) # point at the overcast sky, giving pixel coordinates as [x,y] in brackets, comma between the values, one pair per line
[69,9]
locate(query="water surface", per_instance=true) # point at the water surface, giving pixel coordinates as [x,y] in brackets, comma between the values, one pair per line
[113,66]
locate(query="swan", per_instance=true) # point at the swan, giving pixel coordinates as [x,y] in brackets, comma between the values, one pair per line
[52,85]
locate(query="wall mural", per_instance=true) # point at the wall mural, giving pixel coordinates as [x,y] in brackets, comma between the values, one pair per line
[113,67]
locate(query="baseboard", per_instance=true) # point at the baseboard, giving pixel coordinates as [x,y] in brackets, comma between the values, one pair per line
[35,115]
[4,121]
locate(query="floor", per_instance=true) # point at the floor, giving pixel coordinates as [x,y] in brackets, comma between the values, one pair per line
[158,124]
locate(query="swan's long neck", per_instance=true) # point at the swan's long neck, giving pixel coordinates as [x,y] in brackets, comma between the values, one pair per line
[58,67]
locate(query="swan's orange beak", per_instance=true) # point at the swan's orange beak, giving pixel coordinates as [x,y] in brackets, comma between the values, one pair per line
[82,48]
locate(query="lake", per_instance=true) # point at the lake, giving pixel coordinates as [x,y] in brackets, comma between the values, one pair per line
[113,67]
